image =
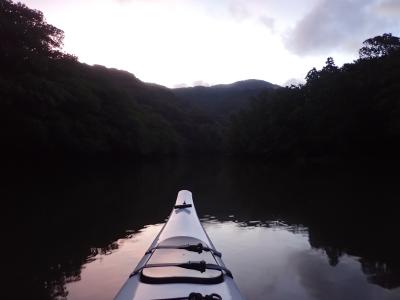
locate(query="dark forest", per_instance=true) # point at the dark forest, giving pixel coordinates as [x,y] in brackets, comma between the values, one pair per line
[51,105]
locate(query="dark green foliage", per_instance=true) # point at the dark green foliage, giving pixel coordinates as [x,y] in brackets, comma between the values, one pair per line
[50,104]
[347,112]
[26,37]
[379,46]
[73,108]
[220,101]
[269,126]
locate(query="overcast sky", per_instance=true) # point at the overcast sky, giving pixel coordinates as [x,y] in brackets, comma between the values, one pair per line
[192,42]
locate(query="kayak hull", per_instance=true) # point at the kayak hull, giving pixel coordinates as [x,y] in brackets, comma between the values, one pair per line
[183,224]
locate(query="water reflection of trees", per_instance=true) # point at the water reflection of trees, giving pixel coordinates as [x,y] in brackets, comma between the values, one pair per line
[380,267]
[42,264]
[374,243]
[59,219]
[346,210]
[381,273]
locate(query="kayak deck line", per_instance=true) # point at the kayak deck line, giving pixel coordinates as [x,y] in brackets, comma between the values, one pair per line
[195,296]
[199,248]
[181,261]
[200,266]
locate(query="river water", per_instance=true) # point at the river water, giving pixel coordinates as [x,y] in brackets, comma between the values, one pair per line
[285,232]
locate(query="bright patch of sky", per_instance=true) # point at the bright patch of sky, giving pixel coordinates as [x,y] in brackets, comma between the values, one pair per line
[186,42]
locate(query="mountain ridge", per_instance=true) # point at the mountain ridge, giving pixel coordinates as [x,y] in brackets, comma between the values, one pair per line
[222,100]
[251,83]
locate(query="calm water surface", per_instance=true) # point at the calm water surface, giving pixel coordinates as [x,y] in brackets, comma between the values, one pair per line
[286,233]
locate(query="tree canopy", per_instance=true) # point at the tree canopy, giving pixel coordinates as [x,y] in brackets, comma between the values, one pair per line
[346,112]
[50,104]
[25,35]
[379,46]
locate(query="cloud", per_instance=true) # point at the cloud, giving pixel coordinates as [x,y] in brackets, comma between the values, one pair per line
[294,81]
[389,8]
[239,10]
[268,22]
[345,281]
[200,83]
[337,25]
[180,85]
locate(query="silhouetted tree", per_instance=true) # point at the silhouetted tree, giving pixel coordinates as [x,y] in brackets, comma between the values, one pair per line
[312,75]
[352,111]
[52,105]
[379,46]
[25,35]
[330,65]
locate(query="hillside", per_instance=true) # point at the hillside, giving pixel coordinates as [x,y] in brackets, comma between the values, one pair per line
[347,112]
[51,105]
[220,101]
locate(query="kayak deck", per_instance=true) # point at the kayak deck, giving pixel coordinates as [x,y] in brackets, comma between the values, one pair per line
[174,274]
[184,221]
[180,261]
